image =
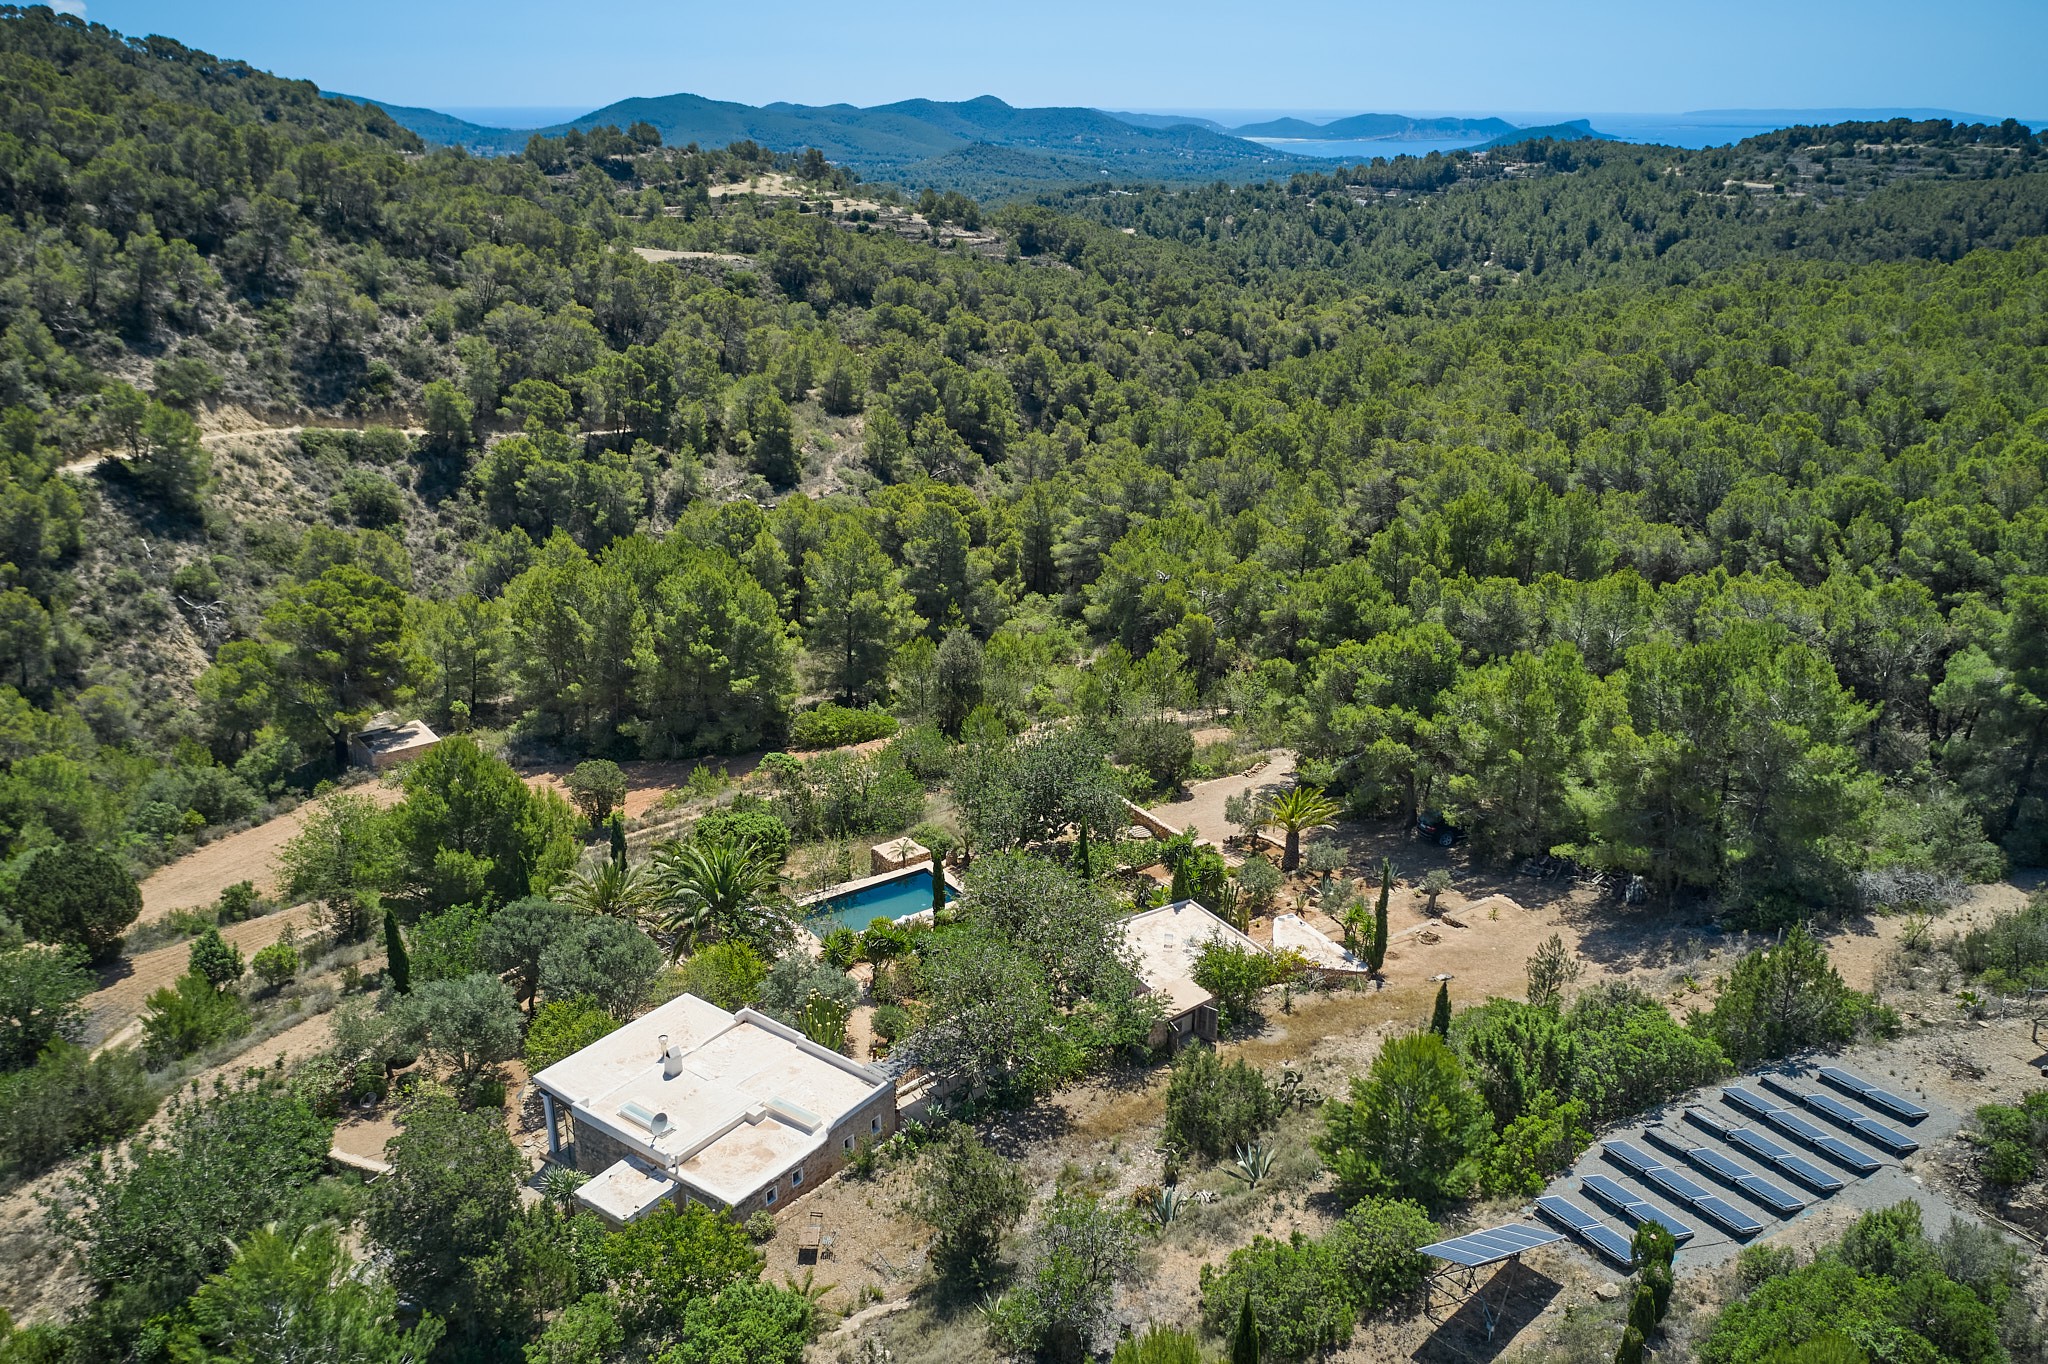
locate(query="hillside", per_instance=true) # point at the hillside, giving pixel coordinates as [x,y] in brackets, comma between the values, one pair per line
[1617,577]
[1367,127]
[906,142]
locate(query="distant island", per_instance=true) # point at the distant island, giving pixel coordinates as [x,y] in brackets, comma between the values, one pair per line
[1375,127]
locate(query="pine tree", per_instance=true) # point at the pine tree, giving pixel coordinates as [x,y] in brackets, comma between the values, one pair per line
[1376,950]
[1440,1016]
[1244,1342]
[396,964]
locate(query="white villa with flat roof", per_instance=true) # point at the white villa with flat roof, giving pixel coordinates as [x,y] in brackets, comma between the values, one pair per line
[1166,941]
[688,1101]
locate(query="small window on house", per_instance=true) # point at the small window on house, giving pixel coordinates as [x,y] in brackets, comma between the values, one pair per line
[771,1197]
[796,1177]
[848,1143]
[875,1125]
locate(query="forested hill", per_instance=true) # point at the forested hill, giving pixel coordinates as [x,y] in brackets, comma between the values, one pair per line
[916,142]
[1545,215]
[1714,549]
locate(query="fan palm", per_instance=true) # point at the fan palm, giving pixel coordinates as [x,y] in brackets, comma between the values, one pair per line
[1303,808]
[706,891]
[611,889]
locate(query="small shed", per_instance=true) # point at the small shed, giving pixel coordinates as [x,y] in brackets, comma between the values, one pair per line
[389,742]
[897,854]
[1166,943]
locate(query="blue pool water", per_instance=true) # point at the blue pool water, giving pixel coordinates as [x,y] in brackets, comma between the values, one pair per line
[906,894]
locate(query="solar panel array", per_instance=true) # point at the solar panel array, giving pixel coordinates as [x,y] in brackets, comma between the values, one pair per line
[1790,1123]
[1859,1088]
[1729,1171]
[1660,1165]
[1610,1244]
[1493,1244]
[1633,1210]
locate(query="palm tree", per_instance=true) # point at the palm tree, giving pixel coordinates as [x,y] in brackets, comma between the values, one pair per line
[1303,808]
[612,889]
[703,892]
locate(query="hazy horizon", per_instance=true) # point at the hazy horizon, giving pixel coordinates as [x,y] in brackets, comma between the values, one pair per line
[1378,57]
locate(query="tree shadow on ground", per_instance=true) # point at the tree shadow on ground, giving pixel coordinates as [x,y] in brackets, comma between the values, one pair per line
[1483,1325]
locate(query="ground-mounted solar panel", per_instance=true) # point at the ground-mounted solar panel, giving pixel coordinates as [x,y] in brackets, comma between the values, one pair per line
[1749,1101]
[1608,1243]
[1492,1245]
[1633,1210]
[1728,1215]
[1630,1157]
[1905,1110]
[1709,1121]
[1829,1145]
[1876,1133]
[1786,1160]
[1756,1186]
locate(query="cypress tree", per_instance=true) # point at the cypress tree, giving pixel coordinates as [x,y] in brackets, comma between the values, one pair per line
[938,884]
[1244,1342]
[1081,858]
[1440,1016]
[1631,1351]
[618,832]
[1376,950]
[396,964]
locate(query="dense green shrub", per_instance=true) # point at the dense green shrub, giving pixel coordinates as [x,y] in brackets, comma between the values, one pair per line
[971,1198]
[749,823]
[76,895]
[1237,976]
[40,990]
[68,1101]
[189,1016]
[1213,1108]
[1298,1292]
[834,726]
[562,1028]
[1412,1128]
[1786,998]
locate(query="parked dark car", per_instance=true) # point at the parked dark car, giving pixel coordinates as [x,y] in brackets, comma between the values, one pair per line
[1432,827]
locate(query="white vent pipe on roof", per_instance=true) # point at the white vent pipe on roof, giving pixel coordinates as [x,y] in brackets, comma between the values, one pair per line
[656,1124]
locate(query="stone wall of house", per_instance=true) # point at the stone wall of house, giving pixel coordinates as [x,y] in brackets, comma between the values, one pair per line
[875,1120]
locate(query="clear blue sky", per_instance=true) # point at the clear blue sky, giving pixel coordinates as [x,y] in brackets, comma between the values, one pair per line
[1982,56]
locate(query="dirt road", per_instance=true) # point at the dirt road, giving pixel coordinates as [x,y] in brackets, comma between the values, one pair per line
[130,981]
[198,878]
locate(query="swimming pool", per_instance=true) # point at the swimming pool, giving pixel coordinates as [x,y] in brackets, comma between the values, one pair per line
[892,897]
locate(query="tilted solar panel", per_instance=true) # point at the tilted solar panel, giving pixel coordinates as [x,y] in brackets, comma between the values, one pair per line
[1797,1166]
[1901,1108]
[1610,1244]
[1491,1245]
[1828,1145]
[1632,1209]
[1872,1131]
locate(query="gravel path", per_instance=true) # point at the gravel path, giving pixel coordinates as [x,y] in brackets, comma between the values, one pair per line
[1202,806]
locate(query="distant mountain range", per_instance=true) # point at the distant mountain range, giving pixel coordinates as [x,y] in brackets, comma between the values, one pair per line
[913,141]
[1374,127]
[982,144]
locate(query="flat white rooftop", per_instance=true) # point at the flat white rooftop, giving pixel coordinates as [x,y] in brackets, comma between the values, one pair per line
[725,1102]
[1167,940]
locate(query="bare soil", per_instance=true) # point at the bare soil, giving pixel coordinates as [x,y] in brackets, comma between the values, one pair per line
[126,984]
[197,879]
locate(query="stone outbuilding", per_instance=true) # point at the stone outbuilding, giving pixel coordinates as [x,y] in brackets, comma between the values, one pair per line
[1166,942]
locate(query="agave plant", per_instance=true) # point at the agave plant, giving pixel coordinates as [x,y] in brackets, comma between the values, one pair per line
[1167,1204]
[559,1183]
[1254,1163]
[823,1020]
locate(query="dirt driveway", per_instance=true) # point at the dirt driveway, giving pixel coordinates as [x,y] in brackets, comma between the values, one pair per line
[198,878]
[1202,806]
